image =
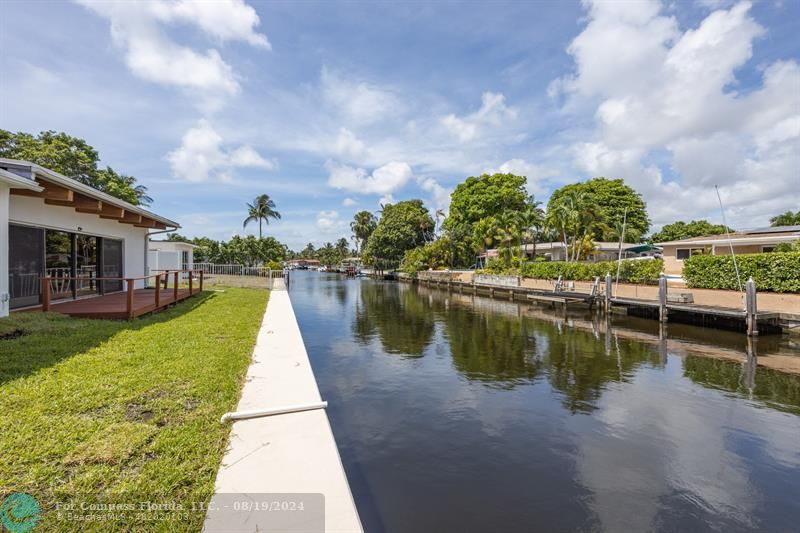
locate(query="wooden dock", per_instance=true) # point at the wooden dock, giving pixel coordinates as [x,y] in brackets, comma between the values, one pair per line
[746,319]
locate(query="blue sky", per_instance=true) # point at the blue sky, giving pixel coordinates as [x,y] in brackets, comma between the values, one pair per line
[334,107]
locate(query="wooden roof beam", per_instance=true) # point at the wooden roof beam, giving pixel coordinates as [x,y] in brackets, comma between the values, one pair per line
[146,223]
[131,218]
[111,212]
[51,192]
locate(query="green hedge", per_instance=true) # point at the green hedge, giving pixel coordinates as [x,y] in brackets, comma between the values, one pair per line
[638,271]
[775,271]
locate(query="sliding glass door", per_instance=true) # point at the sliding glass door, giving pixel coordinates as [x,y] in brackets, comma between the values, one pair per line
[58,263]
[86,265]
[73,261]
[112,264]
[26,264]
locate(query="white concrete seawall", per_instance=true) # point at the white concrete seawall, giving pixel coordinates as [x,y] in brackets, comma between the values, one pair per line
[289,453]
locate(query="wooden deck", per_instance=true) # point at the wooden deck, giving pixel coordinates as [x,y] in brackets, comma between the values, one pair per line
[115,305]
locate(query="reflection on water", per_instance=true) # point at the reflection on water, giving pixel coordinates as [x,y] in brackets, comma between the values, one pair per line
[463,413]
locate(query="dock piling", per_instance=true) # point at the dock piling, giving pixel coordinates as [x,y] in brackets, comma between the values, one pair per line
[662,298]
[608,292]
[751,308]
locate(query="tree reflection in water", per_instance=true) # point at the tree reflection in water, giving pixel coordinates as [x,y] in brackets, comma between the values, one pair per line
[395,315]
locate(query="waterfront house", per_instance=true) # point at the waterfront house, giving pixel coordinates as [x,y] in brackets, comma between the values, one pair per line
[743,242]
[55,226]
[557,251]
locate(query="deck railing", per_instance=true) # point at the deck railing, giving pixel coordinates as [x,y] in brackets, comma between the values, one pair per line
[130,283]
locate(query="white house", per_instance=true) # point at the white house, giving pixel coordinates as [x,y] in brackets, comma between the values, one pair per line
[52,225]
[170,255]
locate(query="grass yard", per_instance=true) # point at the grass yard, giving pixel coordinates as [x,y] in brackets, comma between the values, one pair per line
[118,412]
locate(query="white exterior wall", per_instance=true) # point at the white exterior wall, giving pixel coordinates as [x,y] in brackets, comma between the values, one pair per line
[167,255]
[4,297]
[34,212]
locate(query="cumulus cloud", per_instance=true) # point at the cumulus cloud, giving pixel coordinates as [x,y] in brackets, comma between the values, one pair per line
[348,145]
[358,102]
[493,112]
[201,156]
[439,195]
[383,180]
[328,221]
[349,202]
[151,55]
[658,89]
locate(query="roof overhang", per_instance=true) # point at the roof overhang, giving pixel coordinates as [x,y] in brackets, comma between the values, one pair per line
[14,181]
[57,189]
[772,239]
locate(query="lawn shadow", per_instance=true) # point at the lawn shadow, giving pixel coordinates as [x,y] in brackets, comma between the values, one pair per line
[49,338]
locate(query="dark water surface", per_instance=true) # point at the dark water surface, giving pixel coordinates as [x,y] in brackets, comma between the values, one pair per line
[456,413]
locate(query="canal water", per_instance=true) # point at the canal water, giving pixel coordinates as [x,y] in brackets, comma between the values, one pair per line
[456,413]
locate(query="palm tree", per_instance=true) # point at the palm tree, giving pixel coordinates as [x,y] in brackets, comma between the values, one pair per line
[530,222]
[363,225]
[262,209]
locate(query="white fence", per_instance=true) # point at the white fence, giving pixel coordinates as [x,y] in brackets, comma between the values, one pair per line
[236,275]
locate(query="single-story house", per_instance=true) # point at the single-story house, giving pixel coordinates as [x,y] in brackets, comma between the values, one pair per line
[52,225]
[557,251]
[743,242]
[170,255]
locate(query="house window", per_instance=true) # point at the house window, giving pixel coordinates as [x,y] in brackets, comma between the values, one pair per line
[185,259]
[767,249]
[686,253]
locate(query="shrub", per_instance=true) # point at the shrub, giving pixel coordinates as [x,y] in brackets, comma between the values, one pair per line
[638,271]
[776,271]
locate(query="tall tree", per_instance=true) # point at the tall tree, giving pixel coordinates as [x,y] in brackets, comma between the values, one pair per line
[403,226]
[484,196]
[363,225]
[610,197]
[788,218]
[262,209]
[74,158]
[683,230]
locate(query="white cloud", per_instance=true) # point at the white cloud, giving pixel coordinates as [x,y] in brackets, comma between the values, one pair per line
[383,180]
[201,156]
[151,55]
[358,101]
[348,145]
[349,202]
[439,195]
[493,112]
[329,223]
[386,199]
[656,89]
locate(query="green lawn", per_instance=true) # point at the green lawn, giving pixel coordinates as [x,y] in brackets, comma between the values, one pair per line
[123,411]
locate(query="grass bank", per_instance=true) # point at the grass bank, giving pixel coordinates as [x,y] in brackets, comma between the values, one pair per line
[123,412]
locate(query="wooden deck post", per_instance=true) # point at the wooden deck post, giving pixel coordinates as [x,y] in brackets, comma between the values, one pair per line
[158,291]
[46,293]
[751,308]
[662,298]
[175,288]
[129,302]
[609,288]
[190,282]
[201,281]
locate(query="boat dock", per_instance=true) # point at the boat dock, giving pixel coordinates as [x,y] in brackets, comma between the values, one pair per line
[600,298]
